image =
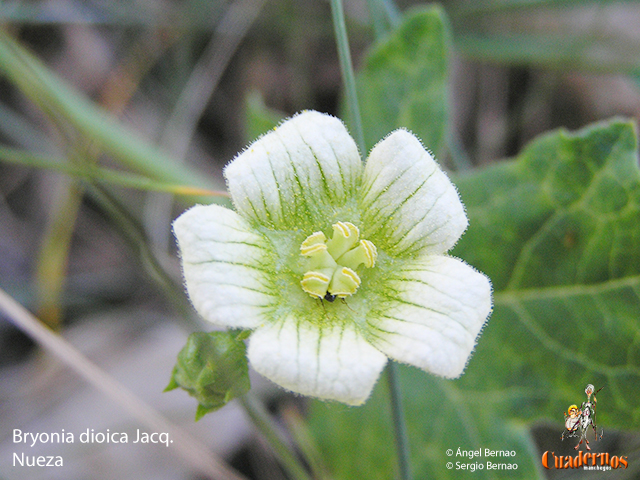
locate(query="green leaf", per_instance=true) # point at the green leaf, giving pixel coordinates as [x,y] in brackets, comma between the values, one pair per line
[404,80]
[557,230]
[355,442]
[358,442]
[564,213]
[212,367]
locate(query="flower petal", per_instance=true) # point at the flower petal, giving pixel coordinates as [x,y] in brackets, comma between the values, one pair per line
[333,362]
[290,176]
[409,203]
[433,315]
[225,265]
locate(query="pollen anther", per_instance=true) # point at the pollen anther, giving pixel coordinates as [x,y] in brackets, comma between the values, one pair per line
[332,264]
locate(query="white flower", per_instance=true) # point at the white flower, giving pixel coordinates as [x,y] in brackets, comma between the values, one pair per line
[326,308]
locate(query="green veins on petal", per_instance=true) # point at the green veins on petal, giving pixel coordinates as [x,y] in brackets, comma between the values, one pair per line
[253,267]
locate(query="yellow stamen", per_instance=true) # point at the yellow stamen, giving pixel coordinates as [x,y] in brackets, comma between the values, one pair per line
[344,282]
[332,264]
[315,284]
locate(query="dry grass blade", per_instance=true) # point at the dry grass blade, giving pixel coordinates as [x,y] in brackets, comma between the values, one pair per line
[191,450]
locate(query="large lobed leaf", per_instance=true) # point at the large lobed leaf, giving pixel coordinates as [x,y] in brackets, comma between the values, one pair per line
[557,230]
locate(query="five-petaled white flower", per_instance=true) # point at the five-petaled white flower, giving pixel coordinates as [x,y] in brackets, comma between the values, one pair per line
[335,265]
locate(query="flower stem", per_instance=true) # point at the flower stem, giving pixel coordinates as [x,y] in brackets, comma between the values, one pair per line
[348,77]
[402,441]
[260,418]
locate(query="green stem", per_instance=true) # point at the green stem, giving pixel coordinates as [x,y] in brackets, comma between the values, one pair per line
[131,231]
[261,419]
[348,77]
[57,99]
[400,426]
[94,173]
[352,100]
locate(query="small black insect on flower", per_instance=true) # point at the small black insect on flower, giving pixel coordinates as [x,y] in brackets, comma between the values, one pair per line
[329,297]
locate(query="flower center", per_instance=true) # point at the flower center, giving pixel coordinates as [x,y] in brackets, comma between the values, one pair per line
[332,264]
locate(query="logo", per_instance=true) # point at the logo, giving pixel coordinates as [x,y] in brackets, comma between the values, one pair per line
[586,461]
[578,421]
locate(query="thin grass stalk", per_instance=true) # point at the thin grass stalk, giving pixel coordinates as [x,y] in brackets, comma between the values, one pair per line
[102,175]
[58,99]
